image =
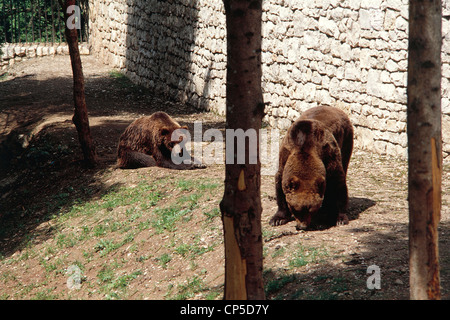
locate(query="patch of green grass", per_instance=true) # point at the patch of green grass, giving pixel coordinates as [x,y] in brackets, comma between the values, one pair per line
[100,230]
[189,289]
[186,185]
[105,246]
[166,218]
[208,186]
[135,200]
[66,240]
[114,286]
[143,193]
[124,82]
[46,294]
[164,259]
[193,250]
[268,234]
[199,185]
[190,201]
[279,252]
[101,227]
[212,214]
[49,266]
[144,225]
[303,256]
[278,284]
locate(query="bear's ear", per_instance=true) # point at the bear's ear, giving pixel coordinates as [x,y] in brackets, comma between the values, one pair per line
[184,127]
[164,131]
[304,132]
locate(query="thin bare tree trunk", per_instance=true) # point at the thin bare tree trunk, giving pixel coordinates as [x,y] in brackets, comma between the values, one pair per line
[424,146]
[241,203]
[80,118]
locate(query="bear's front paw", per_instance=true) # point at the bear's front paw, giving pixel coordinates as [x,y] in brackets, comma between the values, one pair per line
[342,219]
[199,166]
[280,218]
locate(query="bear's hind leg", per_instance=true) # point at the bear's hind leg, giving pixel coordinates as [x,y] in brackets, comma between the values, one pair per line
[134,159]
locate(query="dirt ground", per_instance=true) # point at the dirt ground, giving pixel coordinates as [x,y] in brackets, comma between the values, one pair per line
[41,177]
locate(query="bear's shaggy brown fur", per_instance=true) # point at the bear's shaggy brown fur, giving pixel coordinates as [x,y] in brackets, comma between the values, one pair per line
[311,178]
[147,142]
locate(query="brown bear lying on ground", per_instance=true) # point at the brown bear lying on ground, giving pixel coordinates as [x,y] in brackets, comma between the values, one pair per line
[311,178]
[149,141]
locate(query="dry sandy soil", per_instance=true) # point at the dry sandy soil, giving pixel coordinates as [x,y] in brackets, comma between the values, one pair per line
[112,224]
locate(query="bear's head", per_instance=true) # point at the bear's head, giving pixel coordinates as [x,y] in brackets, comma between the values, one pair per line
[170,138]
[173,144]
[305,172]
[304,183]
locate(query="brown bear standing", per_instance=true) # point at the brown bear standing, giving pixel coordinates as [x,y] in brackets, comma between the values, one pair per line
[149,141]
[311,179]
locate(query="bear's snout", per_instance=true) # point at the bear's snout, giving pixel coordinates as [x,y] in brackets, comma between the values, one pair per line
[303,217]
[304,211]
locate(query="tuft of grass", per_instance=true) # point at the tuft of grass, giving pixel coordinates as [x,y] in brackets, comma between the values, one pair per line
[199,185]
[105,246]
[143,194]
[212,214]
[166,218]
[194,250]
[303,256]
[46,294]
[189,289]
[164,259]
[124,82]
[278,284]
[114,286]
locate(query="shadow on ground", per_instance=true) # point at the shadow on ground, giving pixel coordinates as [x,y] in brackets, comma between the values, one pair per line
[40,158]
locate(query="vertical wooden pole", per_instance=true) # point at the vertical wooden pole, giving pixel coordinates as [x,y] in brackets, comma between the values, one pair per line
[424,146]
[80,118]
[241,203]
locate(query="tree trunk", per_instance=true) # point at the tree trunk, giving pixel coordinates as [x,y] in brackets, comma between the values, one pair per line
[424,146]
[80,117]
[241,203]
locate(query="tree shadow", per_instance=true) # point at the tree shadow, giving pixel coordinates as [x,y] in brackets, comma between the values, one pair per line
[347,280]
[45,179]
[356,206]
[41,172]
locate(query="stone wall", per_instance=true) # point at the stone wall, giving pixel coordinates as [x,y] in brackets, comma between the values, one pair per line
[175,47]
[16,52]
[350,54]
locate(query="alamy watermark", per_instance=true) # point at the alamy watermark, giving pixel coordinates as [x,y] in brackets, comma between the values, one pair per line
[238,147]
[374,280]
[74,20]
[74,279]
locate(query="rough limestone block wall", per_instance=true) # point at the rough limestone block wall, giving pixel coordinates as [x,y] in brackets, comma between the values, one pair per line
[350,54]
[174,47]
[16,52]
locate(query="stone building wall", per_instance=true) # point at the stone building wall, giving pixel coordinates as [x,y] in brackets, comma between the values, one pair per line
[16,52]
[350,54]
